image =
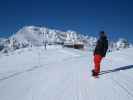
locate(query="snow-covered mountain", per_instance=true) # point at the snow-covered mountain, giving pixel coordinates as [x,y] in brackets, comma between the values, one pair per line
[37,36]
[120,44]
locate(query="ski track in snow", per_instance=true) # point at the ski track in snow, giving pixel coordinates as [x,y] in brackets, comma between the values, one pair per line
[68,78]
[12,74]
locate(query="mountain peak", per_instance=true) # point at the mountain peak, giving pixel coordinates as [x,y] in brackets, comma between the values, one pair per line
[36,36]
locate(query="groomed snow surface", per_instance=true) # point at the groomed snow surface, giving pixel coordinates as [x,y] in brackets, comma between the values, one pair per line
[64,74]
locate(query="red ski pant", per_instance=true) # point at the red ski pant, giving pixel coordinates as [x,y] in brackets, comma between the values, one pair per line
[97,61]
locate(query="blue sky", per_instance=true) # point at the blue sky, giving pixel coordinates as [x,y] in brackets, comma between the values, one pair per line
[85,16]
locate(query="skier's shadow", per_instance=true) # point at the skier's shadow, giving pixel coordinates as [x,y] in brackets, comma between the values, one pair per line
[116,69]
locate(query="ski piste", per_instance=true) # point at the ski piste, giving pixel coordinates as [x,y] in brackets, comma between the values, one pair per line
[64,74]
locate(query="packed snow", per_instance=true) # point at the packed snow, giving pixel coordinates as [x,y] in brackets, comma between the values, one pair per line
[58,73]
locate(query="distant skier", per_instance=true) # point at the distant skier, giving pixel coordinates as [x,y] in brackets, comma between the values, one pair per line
[100,52]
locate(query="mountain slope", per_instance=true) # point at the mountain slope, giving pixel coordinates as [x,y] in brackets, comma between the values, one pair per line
[30,36]
[31,74]
[36,35]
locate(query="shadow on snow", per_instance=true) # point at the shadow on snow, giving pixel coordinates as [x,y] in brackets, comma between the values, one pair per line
[116,69]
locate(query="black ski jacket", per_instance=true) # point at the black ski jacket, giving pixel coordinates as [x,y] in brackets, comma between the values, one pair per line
[101,46]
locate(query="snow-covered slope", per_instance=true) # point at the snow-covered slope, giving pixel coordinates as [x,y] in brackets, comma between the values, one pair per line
[120,44]
[37,36]
[64,74]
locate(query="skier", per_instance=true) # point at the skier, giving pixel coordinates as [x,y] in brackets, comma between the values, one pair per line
[100,52]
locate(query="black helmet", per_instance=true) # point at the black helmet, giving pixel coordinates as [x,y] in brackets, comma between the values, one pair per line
[102,34]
